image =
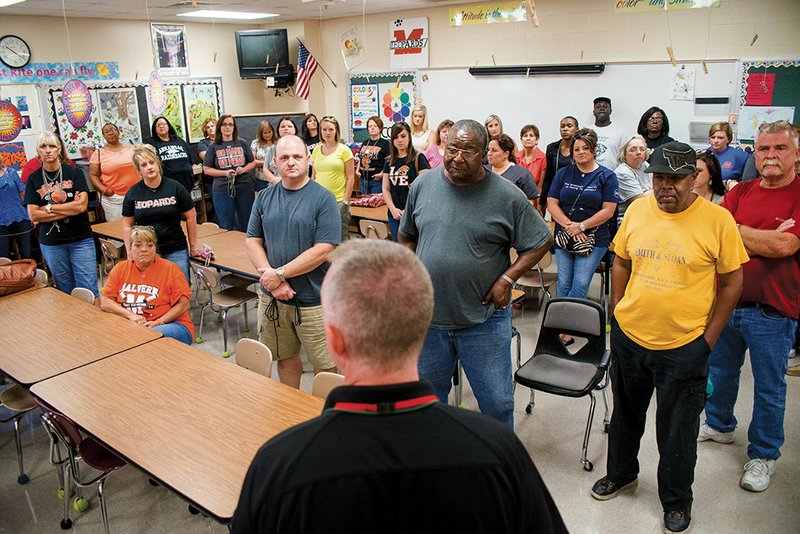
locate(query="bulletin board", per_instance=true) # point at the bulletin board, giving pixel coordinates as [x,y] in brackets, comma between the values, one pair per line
[769,90]
[247,125]
[389,95]
[189,102]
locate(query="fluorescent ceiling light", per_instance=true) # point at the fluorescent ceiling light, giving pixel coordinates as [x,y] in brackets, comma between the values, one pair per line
[6,3]
[216,14]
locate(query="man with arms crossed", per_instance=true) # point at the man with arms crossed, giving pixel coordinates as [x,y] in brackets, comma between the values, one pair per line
[668,311]
[385,456]
[294,225]
[765,320]
[462,219]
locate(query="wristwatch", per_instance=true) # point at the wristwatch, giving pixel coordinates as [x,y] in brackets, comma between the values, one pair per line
[281,272]
[582,227]
[49,208]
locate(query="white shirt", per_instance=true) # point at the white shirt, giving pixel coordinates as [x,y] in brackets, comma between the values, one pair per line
[609,140]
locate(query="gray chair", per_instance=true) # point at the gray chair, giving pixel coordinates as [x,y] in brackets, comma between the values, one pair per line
[83,294]
[537,278]
[18,401]
[112,251]
[373,229]
[554,369]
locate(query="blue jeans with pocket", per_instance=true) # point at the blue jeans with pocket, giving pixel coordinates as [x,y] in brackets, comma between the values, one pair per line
[175,330]
[73,265]
[484,351]
[769,336]
[233,213]
[370,187]
[575,272]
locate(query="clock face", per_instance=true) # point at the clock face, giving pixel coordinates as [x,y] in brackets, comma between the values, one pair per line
[14,52]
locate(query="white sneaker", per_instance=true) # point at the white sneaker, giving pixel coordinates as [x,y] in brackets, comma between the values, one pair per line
[756,474]
[709,434]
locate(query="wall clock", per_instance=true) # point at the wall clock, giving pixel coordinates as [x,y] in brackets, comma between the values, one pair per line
[14,51]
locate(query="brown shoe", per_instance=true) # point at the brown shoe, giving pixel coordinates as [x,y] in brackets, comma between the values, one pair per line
[794,370]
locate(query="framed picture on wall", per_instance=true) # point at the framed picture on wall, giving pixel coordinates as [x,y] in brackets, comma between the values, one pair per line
[169,48]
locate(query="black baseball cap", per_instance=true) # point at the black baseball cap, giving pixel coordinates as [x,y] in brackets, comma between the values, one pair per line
[673,158]
[602,99]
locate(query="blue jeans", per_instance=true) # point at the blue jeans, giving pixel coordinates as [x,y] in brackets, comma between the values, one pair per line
[181,259]
[234,213]
[394,225]
[575,272]
[369,187]
[769,336]
[175,330]
[260,184]
[73,265]
[485,354]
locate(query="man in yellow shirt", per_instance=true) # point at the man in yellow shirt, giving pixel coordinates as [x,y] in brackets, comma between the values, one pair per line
[674,284]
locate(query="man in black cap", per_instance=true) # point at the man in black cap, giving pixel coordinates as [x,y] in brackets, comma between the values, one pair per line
[668,311]
[610,137]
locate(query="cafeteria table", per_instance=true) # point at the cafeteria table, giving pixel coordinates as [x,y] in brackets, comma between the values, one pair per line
[113,230]
[230,254]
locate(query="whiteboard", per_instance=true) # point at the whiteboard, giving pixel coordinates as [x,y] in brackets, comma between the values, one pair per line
[543,100]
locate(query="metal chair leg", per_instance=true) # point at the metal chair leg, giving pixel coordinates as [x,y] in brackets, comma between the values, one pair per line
[246,322]
[200,332]
[587,465]
[458,380]
[103,511]
[531,402]
[224,314]
[22,478]
[606,417]
[66,522]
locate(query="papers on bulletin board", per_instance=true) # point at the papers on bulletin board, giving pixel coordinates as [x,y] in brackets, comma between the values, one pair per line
[760,88]
[682,83]
[364,103]
[750,117]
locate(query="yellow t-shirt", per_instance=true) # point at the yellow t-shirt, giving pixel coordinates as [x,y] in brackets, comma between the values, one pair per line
[329,170]
[674,261]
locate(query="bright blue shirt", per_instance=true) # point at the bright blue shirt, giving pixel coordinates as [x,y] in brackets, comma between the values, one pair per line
[732,161]
[11,209]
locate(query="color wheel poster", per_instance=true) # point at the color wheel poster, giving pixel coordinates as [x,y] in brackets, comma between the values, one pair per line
[396,101]
[365,104]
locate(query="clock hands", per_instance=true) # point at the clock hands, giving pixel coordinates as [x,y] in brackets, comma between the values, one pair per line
[15,52]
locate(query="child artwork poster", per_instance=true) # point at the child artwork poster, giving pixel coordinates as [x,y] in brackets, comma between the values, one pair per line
[121,108]
[173,111]
[201,104]
[76,137]
[169,48]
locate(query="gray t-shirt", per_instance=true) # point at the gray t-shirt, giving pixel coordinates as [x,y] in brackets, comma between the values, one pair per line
[291,222]
[463,236]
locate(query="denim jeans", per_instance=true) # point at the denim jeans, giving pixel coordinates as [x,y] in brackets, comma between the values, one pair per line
[260,184]
[23,228]
[73,265]
[394,225]
[181,259]
[678,377]
[344,213]
[369,187]
[175,330]
[769,336]
[575,272]
[485,354]
[234,213]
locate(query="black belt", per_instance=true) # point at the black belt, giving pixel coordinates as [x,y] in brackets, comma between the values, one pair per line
[758,305]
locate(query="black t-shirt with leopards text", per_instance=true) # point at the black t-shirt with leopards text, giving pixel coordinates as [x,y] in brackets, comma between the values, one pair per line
[162,209]
[229,155]
[58,190]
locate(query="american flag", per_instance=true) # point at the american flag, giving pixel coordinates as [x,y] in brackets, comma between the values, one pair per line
[306,67]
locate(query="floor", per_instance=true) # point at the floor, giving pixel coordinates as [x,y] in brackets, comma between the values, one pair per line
[552,434]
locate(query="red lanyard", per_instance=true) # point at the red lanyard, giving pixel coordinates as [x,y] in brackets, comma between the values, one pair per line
[386,407]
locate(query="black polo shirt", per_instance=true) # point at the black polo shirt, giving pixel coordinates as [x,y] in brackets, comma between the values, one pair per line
[428,468]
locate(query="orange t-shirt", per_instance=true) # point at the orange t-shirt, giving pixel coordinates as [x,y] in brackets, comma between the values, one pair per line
[117,170]
[150,294]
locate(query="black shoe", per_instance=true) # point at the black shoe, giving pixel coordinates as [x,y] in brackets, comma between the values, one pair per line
[677,520]
[604,489]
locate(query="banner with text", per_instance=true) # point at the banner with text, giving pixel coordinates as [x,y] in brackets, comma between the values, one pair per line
[638,6]
[60,72]
[408,43]
[488,13]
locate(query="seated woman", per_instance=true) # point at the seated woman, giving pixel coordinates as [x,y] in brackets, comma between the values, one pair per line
[633,181]
[149,290]
[503,162]
[708,181]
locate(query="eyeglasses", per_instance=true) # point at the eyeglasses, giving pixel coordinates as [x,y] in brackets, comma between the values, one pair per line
[452,152]
[655,119]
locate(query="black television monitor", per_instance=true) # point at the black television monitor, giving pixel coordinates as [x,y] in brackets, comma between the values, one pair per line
[262,53]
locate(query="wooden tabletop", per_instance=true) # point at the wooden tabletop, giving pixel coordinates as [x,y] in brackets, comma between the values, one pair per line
[229,253]
[375,214]
[36,285]
[113,230]
[190,420]
[47,332]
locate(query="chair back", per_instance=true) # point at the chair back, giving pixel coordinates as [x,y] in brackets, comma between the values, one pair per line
[373,229]
[4,260]
[580,318]
[205,277]
[210,225]
[324,383]
[41,276]
[83,294]
[61,426]
[546,260]
[111,251]
[255,356]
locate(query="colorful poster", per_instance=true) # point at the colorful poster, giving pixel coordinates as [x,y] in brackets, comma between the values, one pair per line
[488,13]
[76,137]
[60,72]
[760,88]
[408,43]
[10,121]
[640,6]
[156,94]
[12,155]
[396,102]
[121,108]
[77,101]
[682,83]
[169,47]
[173,111]
[364,101]
[352,47]
[201,103]
[751,117]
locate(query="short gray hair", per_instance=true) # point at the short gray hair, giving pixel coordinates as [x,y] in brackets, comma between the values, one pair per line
[471,127]
[380,297]
[778,127]
[624,148]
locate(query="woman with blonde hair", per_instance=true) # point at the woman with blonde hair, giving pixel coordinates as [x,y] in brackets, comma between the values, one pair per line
[421,135]
[333,167]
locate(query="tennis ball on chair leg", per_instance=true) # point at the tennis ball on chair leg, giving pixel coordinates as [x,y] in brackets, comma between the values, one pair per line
[80,504]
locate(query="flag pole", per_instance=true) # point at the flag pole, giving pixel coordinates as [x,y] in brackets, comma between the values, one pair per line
[318,64]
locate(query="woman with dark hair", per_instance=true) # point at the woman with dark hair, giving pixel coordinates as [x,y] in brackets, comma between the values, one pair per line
[286,126]
[173,153]
[502,161]
[435,153]
[311,131]
[263,148]
[558,155]
[372,157]
[401,169]
[230,161]
[112,172]
[530,155]
[708,180]
[654,127]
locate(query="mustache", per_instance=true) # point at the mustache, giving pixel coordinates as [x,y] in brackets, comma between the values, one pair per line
[772,161]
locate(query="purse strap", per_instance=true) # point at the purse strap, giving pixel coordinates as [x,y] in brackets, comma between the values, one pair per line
[578,197]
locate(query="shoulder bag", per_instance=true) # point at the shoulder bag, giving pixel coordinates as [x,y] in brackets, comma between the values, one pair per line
[569,243]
